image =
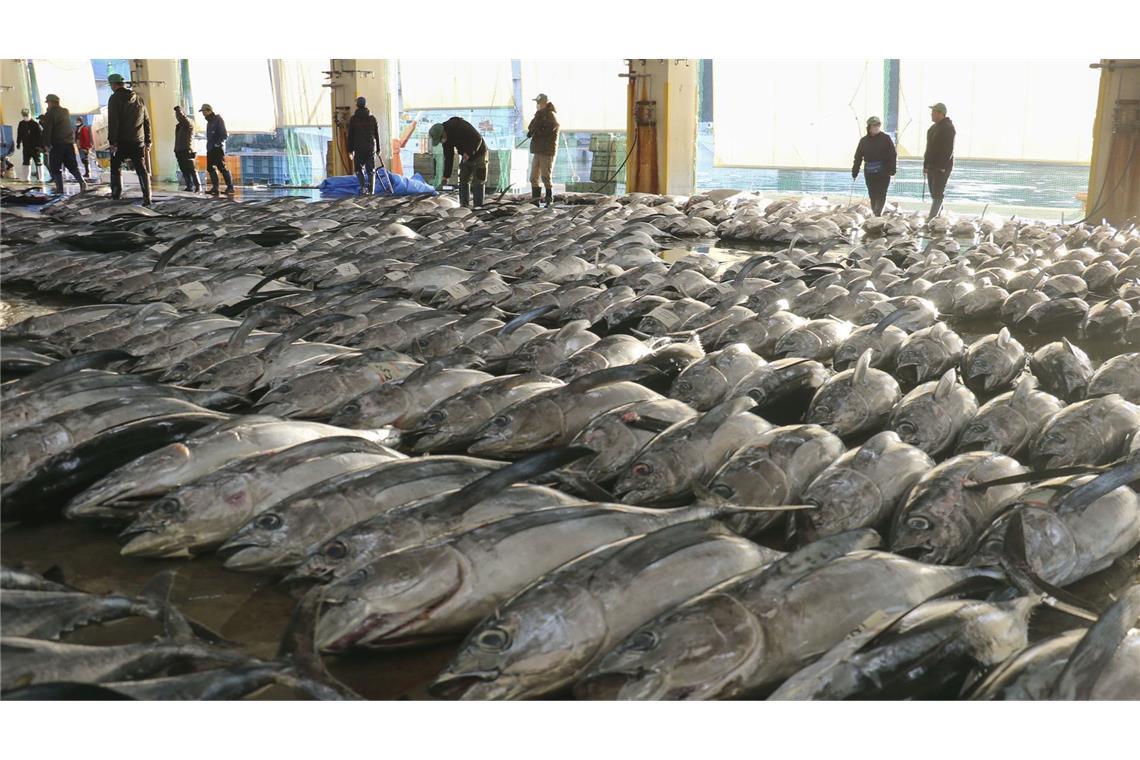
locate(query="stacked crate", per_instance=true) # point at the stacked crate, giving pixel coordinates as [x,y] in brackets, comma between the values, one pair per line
[608,151]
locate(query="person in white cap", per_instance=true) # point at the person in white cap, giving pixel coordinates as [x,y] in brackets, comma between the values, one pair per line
[29,135]
[216,135]
[877,156]
[543,134]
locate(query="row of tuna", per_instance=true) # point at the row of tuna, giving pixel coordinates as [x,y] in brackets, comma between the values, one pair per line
[704,452]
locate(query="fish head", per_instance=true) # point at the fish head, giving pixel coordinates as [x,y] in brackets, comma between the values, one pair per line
[187,519]
[450,420]
[381,406]
[999,428]
[933,526]
[1049,544]
[614,443]
[702,650]
[269,541]
[1066,441]
[392,599]
[748,480]
[657,472]
[129,480]
[238,374]
[923,423]
[527,426]
[801,342]
[844,499]
[540,642]
[840,406]
[581,363]
[701,387]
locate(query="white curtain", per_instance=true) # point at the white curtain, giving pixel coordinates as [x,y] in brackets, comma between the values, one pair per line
[456,84]
[72,81]
[302,98]
[1012,111]
[240,91]
[589,95]
[793,115]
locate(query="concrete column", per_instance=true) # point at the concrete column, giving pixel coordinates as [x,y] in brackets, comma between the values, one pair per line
[671,85]
[375,80]
[1114,173]
[14,95]
[158,81]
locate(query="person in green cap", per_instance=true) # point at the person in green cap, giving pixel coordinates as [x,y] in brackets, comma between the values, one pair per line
[59,139]
[458,136]
[938,160]
[128,132]
[543,134]
[876,154]
[216,135]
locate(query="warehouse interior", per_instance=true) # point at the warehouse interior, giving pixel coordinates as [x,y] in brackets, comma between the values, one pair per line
[534,373]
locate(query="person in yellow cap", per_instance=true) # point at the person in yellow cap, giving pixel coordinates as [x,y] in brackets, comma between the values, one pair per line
[938,160]
[59,139]
[543,134]
[128,132]
[877,156]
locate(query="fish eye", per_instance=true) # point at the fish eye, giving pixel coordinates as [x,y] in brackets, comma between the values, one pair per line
[358,577]
[684,387]
[350,409]
[336,550]
[268,521]
[500,421]
[905,429]
[725,490]
[641,469]
[167,506]
[643,641]
[918,523]
[493,640]
[436,417]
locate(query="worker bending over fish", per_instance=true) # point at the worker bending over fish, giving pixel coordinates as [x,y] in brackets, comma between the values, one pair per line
[458,136]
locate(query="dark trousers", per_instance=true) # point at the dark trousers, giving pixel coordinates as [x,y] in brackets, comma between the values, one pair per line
[85,158]
[32,154]
[61,155]
[186,166]
[877,185]
[216,162]
[364,164]
[937,179]
[137,154]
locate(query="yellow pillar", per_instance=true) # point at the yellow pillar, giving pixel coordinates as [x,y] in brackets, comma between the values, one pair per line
[14,95]
[670,85]
[374,79]
[158,81]
[1114,172]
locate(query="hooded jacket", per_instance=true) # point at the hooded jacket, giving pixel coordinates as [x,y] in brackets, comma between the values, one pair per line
[363,132]
[127,119]
[216,133]
[543,131]
[879,153]
[183,132]
[939,146]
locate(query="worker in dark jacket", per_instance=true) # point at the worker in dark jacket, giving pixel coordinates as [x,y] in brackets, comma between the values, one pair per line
[29,137]
[128,132]
[216,135]
[458,136]
[938,160]
[85,143]
[363,142]
[59,139]
[184,150]
[876,154]
[543,134]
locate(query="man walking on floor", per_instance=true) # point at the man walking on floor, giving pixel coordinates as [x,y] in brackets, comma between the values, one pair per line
[216,150]
[128,132]
[543,134]
[938,161]
[184,150]
[363,142]
[85,143]
[60,141]
[458,136]
[29,137]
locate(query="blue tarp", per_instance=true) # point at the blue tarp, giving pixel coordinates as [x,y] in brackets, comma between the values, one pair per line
[384,183]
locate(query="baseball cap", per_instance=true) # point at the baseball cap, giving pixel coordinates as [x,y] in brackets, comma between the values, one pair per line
[541,98]
[206,107]
[115,79]
[939,107]
[51,98]
[874,122]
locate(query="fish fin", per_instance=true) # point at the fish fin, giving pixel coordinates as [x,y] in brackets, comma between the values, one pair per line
[526,316]
[1034,476]
[298,649]
[1024,388]
[625,373]
[719,414]
[270,277]
[525,469]
[1096,648]
[91,360]
[580,485]
[649,424]
[946,385]
[1015,562]
[861,367]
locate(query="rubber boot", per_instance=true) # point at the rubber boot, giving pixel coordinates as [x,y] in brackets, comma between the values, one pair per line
[360,188]
[535,195]
[549,197]
[477,194]
[464,195]
[59,182]
[935,207]
[82,184]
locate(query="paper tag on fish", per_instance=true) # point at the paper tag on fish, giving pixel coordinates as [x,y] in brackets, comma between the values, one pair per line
[369,230]
[726,287]
[347,270]
[665,317]
[84,211]
[161,247]
[457,291]
[396,276]
[217,217]
[545,267]
[494,287]
[194,290]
